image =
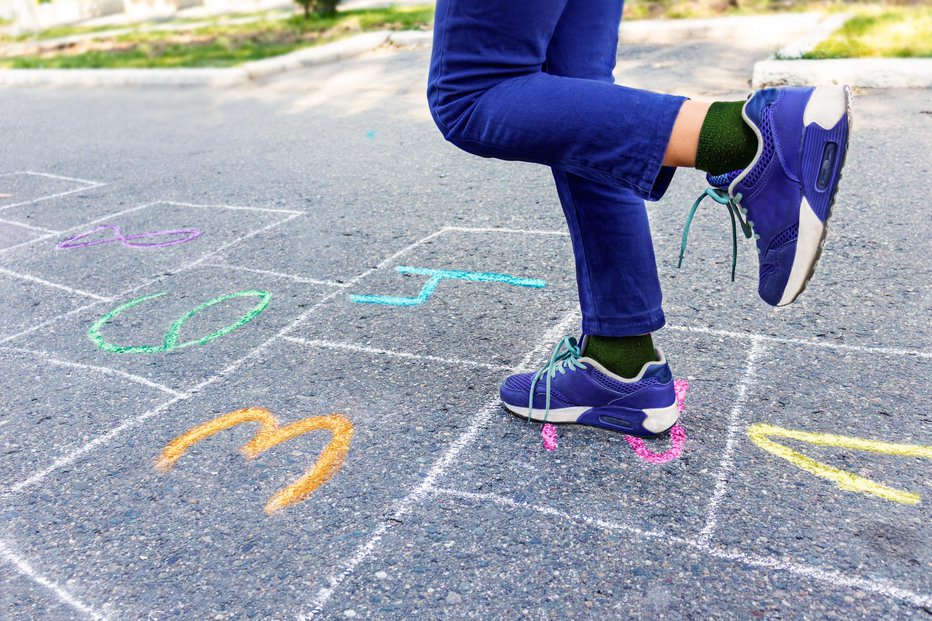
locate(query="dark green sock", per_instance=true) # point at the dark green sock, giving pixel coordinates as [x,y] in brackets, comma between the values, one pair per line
[726,142]
[624,355]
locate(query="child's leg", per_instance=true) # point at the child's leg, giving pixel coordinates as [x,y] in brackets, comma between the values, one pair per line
[489,95]
[619,291]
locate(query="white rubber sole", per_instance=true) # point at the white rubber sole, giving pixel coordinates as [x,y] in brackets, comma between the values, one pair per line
[658,420]
[826,107]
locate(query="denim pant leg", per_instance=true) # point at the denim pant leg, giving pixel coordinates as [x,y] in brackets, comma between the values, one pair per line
[489,95]
[616,272]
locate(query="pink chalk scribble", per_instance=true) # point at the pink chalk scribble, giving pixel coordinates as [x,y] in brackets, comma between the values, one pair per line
[549,433]
[677,433]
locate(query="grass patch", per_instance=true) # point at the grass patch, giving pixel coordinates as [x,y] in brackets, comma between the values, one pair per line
[899,32]
[699,9]
[222,45]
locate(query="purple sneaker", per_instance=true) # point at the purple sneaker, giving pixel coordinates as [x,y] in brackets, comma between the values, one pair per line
[576,389]
[784,197]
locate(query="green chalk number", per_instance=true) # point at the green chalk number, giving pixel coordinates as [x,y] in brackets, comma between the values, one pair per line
[171,337]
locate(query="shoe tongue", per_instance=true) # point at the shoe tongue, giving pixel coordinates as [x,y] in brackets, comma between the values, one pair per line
[583,344]
[723,181]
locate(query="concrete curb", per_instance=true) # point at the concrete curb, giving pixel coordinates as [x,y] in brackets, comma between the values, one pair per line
[347,48]
[787,68]
[860,72]
[121,77]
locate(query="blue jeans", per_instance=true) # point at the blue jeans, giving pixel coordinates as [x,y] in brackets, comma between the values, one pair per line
[531,80]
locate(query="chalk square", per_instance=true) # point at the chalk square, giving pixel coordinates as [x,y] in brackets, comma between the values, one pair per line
[100,264]
[278,303]
[774,507]
[457,558]
[24,304]
[46,403]
[325,246]
[595,470]
[13,234]
[24,188]
[488,322]
[126,534]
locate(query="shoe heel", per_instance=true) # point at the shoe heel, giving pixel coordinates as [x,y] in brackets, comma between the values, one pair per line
[825,145]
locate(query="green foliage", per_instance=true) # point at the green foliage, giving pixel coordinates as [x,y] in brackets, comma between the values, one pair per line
[226,45]
[903,32]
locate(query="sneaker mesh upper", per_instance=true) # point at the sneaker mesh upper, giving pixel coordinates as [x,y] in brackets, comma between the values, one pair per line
[723,181]
[766,130]
[624,388]
[787,236]
[520,382]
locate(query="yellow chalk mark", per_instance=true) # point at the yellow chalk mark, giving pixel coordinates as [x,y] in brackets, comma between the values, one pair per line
[268,436]
[760,434]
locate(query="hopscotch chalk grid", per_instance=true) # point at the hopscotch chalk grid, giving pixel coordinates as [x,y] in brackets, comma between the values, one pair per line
[154,247]
[430,486]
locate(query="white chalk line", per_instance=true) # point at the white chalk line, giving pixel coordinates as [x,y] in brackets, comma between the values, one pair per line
[27,570]
[79,452]
[384,262]
[47,322]
[234,207]
[804,342]
[397,354]
[50,196]
[31,227]
[54,285]
[54,176]
[573,517]
[488,229]
[300,279]
[830,576]
[99,369]
[727,464]
[439,468]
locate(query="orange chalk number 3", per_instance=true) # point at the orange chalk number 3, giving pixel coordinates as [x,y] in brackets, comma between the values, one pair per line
[270,434]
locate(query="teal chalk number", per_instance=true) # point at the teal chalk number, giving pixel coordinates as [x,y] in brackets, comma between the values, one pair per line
[171,337]
[438,275]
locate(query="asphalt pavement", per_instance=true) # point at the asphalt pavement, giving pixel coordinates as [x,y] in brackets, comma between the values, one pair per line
[171,256]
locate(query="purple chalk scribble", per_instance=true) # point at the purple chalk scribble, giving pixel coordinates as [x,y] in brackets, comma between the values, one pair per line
[185,235]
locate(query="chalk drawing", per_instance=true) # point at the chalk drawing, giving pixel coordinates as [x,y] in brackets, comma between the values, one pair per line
[677,433]
[549,433]
[171,337]
[761,433]
[171,238]
[270,434]
[438,275]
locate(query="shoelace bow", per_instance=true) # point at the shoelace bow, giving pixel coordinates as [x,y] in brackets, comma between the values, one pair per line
[737,213]
[565,357]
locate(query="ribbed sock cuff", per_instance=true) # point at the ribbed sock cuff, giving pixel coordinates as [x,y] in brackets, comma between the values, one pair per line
[726,141]
[622,355]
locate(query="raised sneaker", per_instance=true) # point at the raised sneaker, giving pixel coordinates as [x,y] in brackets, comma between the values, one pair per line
[784,197]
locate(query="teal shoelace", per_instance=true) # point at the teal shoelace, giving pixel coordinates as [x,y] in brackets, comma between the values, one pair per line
[738,215]
[565,358]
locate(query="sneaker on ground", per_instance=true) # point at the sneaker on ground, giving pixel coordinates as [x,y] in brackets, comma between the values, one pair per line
[784,197]
[572,388]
